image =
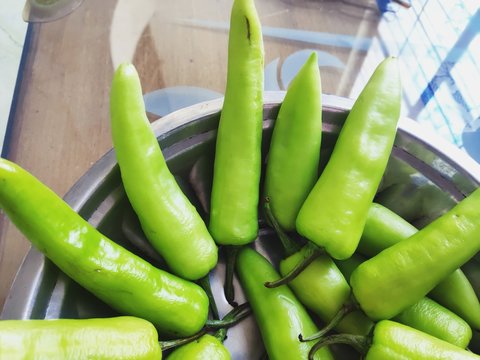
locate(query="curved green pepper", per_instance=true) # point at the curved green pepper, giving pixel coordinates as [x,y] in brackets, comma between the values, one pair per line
[236,176]
[296,135]
[110,338]
[170,222]
[335,211]
[394,341]
[280,316]
[385,228]
[404,273]
[123,280]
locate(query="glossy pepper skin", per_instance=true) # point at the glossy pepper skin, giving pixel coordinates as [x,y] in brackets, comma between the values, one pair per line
[280,316]
[206,347]
[323,289]
[404,273]
[430,317]
[170,222]
[424,315]
[395,341]
[296,135]
[237,166]
[457,294]
[385,228]
[119,338]
[335,211]
[123,280]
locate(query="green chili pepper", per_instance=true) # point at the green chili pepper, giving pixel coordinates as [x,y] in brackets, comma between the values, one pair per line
[296,135]
[430,317]
[335,211]
[321,287]
[472,271]
[170,222]
[425,315]
[457,294]
[121,279]
[110,338]
[280,316]
[399,276]
[123,337]
[394,341]
[384,228]
[236,178]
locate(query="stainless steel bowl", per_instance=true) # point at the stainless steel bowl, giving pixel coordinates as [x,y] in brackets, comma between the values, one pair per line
[425,177]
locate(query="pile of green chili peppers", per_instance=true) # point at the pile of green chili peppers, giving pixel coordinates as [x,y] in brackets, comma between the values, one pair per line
[353,271]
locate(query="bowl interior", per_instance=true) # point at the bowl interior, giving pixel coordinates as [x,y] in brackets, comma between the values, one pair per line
[422,181]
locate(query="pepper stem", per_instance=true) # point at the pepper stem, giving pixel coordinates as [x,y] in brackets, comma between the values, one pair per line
[205,284]
[239,313]
[312,252]
[339,316]
[232,318]
[166,345]
[359,342]
[288,244]
[236,314]
[229,290]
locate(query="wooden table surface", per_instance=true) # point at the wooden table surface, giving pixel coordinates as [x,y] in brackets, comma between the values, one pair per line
[61,124]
